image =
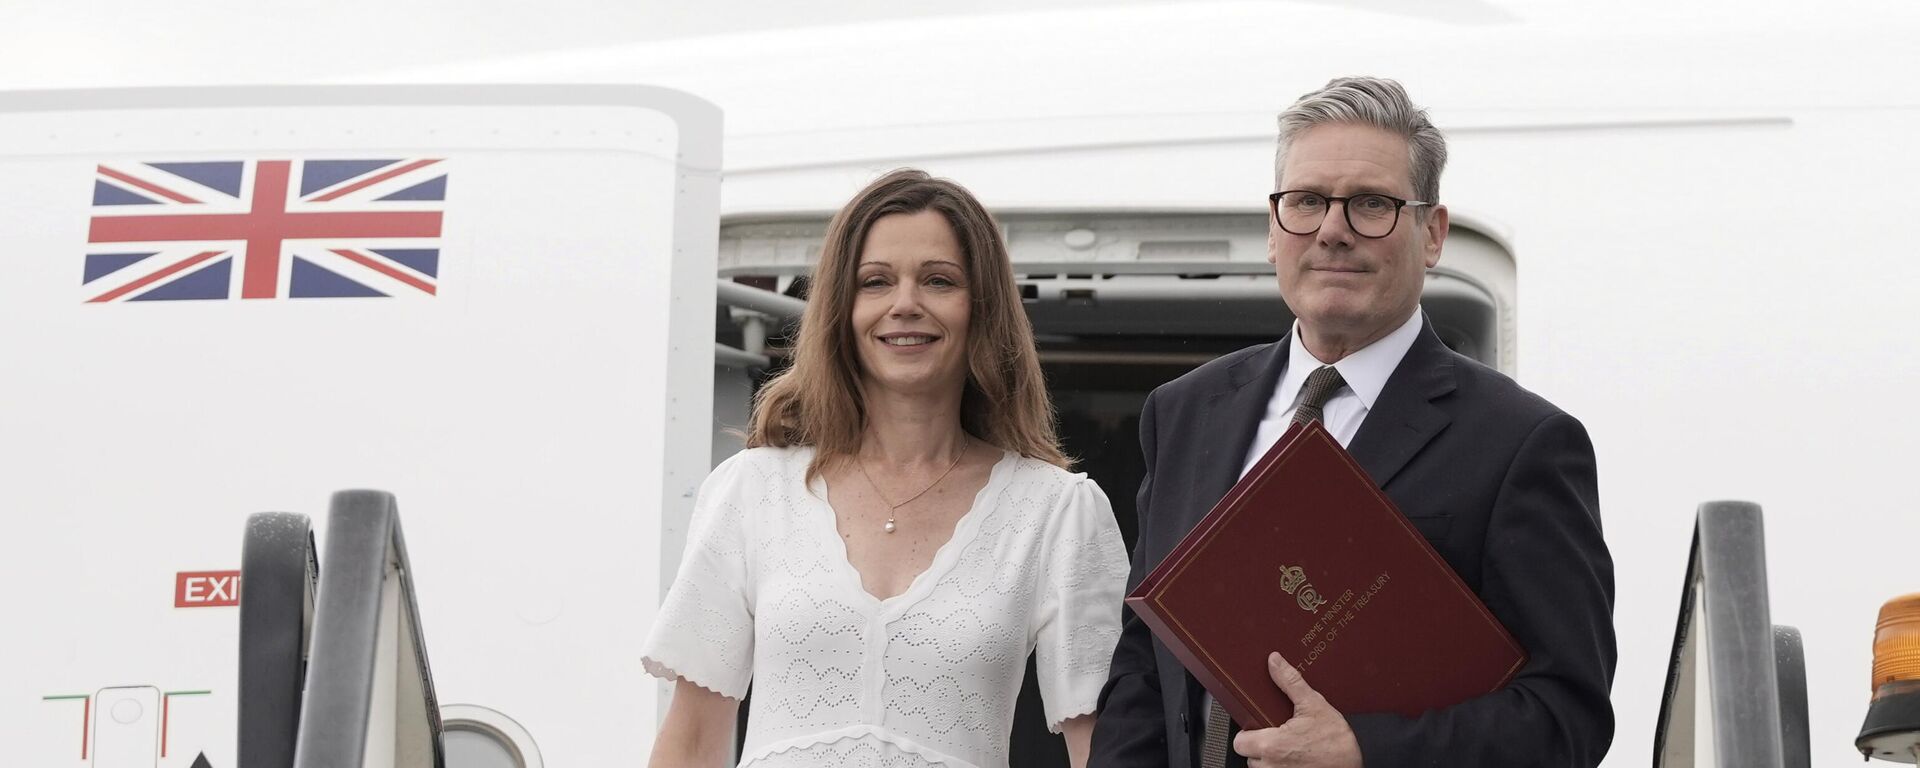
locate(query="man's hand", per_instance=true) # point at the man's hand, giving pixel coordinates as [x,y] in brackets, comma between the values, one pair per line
[1316,736]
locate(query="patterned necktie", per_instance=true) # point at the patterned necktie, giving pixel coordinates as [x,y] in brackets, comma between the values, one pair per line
[1320,386]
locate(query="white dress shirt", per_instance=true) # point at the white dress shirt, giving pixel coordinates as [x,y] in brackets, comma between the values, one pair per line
[1365,371]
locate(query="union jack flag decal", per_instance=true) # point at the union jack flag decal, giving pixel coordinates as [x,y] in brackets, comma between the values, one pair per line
[265,229]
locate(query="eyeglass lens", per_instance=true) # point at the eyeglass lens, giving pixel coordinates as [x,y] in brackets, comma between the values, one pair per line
[1301,213]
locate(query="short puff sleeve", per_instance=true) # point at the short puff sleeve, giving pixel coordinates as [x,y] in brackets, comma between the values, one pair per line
[704,630]
[1078,619]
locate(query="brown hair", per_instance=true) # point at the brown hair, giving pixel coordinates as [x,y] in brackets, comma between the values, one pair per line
[819,400]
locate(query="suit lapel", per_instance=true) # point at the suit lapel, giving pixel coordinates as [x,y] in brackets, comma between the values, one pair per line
[1233,417]
[1404,419]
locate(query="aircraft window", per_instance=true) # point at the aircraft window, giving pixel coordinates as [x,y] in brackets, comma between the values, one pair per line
[479,737]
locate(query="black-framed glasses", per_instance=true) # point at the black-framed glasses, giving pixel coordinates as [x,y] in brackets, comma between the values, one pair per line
[1301,212]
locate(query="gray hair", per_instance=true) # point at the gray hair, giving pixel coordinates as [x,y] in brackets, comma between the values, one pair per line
[1382,104]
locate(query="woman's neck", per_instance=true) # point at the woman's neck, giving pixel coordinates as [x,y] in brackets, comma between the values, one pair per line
[905,432]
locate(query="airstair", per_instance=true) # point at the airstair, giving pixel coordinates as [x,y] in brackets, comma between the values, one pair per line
[333,661]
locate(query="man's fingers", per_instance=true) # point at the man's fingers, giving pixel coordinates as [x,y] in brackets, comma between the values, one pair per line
[1261,743]
[1267,744]
[1290,681]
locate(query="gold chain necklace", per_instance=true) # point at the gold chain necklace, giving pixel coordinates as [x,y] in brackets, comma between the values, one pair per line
[891,507]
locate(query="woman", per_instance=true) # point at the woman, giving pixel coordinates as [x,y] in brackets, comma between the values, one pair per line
[901,532]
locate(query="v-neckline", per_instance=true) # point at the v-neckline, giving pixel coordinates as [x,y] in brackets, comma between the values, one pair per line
[943,558]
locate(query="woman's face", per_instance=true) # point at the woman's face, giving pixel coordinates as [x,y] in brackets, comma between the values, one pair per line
[912,306]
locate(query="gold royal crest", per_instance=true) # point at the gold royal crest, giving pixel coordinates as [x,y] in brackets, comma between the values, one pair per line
[1293,581]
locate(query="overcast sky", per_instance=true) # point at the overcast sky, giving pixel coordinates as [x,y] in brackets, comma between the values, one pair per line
[97,43]
[140,42]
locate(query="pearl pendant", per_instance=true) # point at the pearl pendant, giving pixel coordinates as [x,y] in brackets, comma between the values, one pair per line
[889,526]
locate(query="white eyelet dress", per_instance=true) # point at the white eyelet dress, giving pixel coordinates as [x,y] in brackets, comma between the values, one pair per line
[765,595]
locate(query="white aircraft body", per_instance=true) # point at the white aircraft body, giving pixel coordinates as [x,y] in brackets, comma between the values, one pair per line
[1690,229]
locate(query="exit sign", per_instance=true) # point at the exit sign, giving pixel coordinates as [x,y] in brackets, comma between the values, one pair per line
[206,589]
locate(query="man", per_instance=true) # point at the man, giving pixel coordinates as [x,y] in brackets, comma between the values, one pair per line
[1501,482]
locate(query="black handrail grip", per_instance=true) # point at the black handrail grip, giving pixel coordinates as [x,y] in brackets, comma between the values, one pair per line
[278,569]
[1790,665]
[1729,560]
[363,542]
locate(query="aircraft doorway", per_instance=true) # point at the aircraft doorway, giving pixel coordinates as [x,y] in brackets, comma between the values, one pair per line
[1119,305]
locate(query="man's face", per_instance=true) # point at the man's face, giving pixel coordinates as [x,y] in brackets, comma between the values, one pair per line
[1348,290]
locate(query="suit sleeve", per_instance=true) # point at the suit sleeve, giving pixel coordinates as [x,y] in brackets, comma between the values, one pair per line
[1549,579]
[1131,729]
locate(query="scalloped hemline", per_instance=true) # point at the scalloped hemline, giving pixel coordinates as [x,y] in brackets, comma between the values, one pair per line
[897,741]
[669,674]
[1053,727]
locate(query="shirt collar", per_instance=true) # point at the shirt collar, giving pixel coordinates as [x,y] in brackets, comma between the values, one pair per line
[1366,370]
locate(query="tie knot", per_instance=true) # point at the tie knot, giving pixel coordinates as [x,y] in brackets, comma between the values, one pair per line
[1320,386]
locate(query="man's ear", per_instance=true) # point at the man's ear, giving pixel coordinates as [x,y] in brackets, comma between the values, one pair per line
[1436,235]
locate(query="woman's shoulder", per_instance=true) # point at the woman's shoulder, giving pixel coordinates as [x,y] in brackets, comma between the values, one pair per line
[1032,469]
[1078,525]
[1044,481]
[771,456]
[762,465]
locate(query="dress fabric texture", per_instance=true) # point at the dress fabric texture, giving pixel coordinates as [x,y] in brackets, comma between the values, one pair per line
[765,595]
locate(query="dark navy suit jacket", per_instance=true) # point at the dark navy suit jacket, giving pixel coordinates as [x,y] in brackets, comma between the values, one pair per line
[1500,481]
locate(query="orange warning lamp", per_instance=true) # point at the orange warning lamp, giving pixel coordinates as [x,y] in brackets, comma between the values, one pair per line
[1892,730]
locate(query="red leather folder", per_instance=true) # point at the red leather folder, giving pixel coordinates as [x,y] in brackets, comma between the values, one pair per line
[1307,557]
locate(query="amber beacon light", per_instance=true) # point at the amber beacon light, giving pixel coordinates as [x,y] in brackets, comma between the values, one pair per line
[1892,730]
